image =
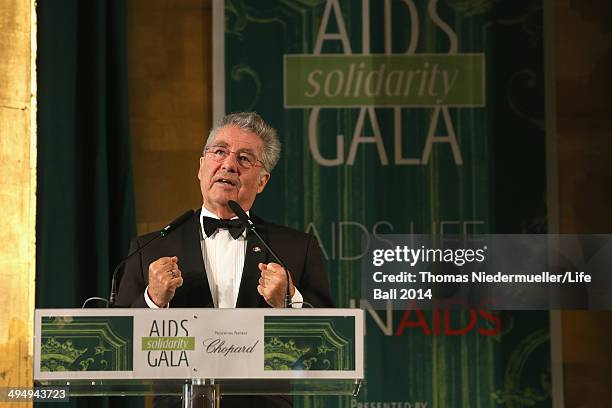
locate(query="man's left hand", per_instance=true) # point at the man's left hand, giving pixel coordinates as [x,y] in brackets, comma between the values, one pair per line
[273,283]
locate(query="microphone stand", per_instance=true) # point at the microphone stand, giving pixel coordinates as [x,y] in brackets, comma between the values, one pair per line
[163,233]
[248,224]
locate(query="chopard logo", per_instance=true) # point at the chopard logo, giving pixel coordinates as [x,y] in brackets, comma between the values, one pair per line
[218,346]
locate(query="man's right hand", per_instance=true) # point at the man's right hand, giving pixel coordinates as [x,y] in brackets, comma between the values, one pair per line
[164,278]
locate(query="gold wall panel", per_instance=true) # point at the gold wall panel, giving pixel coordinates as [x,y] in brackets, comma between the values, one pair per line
[583,48]
[17,191]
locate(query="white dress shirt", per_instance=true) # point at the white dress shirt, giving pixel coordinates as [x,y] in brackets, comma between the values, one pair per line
[224,261]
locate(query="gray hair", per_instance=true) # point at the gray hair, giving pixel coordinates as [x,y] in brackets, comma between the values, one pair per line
[252,122]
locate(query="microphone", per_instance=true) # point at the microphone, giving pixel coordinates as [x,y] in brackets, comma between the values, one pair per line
[164,232]
[242,216]
[176,223]
[248,224]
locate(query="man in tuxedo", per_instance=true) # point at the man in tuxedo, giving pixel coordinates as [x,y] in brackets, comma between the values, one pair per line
[210,260]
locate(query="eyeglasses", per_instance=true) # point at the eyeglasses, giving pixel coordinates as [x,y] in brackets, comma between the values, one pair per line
[245,159]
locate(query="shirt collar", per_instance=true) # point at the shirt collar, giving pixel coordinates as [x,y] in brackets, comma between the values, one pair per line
[206,213]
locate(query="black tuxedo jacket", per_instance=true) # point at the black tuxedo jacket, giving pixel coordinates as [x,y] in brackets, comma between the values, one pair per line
[299,251]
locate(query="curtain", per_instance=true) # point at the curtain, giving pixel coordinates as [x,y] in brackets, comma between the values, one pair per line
[85,213]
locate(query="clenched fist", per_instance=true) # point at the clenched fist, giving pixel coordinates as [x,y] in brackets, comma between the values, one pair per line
[272,284]
[164,278]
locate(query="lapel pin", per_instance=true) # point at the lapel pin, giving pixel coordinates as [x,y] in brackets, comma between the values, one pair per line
[256,249]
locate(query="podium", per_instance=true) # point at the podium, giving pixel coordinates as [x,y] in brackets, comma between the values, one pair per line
[200,355]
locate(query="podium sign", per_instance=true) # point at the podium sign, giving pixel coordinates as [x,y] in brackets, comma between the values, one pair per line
[77,344]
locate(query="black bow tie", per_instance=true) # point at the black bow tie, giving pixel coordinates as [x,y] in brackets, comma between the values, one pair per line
[211,225]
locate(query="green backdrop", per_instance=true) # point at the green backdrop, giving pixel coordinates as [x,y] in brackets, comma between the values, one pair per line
[373,165]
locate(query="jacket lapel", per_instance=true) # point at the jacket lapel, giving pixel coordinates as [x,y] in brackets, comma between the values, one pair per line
[195,291]
[255,253]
